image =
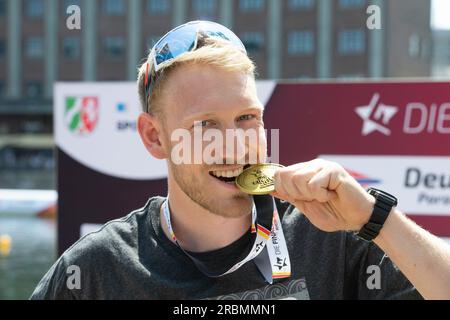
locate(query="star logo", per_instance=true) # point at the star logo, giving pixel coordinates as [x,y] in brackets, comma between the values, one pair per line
[376,116]
[281,263]
[259,246]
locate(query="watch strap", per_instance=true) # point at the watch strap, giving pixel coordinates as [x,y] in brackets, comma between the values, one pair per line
[383,206]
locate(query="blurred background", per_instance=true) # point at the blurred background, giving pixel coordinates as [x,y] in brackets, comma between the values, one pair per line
[288,39]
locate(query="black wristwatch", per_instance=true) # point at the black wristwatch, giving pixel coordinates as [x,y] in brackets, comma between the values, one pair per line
[384,202]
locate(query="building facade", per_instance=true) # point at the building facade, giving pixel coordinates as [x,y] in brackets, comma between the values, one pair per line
[288,39]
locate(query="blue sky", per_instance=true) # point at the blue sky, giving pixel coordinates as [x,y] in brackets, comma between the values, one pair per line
[440,14]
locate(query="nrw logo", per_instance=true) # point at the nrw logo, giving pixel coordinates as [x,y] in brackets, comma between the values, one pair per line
[362,179]
[376,116]
[81,114]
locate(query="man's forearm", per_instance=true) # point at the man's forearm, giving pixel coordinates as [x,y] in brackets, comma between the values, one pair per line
[422,257]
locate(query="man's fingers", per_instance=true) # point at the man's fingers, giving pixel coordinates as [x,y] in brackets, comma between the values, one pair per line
[278,196]
[319,184]
[285,186]
[304,185]
[300,180]
[280,189]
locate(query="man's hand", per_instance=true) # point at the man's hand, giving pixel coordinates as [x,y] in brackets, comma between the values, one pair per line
[327,194]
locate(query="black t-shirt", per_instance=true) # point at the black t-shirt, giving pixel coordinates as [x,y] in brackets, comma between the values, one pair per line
[131,258]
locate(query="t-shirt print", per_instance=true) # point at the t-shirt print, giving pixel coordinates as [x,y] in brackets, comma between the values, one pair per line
[292,290]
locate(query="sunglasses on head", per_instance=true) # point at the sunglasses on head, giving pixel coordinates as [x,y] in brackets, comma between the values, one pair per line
[183,39]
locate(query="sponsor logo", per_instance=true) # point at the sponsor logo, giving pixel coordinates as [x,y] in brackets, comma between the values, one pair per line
[418,117]
[362,179]
[428,182]
[121,107]
[124,125]
[415,177]
[81,114]
[376,116]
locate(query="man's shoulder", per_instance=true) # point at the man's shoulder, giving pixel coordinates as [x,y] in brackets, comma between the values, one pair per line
[101,257]
[116,237]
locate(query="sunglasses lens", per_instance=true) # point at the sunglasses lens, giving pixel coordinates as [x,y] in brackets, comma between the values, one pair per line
[216,30]
[175,43]
[183,39]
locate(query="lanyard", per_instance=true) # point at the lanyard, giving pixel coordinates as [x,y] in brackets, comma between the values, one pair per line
[269,250]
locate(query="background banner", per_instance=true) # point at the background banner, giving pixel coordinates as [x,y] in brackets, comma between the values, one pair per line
[390,135]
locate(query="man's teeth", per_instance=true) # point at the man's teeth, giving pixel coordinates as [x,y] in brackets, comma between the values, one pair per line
[228,174]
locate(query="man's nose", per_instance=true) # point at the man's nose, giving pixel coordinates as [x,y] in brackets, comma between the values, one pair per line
[235,146]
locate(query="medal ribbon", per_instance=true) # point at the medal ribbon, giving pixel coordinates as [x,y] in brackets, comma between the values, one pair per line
[269,250]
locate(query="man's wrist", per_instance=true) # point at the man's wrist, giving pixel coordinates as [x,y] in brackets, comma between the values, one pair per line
[366,212]
[389,226]
[371,205]
[382,207]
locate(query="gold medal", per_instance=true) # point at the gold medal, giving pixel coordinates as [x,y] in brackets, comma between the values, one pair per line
[258,179]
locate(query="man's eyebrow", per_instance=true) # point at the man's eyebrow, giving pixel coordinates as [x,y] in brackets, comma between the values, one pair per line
[210,114]
[254,108]
[195,115]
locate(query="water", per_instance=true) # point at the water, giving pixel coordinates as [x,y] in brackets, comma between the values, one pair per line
[33,251]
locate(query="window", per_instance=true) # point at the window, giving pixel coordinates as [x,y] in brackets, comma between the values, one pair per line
[251,5]
[2,8]
[300,42]
[157,6]
[2,89]
[414,46]
[33,89]
[351,42]
[114,47]
[301,4]
[425,47]
[253,41]
[34,48]
[2,48]
[68,3]
[71,47]
[204,8]
[346,4]
[30,126]
[34,8]
[350,76]
[113,7]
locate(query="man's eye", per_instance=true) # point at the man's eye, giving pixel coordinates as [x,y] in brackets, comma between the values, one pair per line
[246,117]
[203,123]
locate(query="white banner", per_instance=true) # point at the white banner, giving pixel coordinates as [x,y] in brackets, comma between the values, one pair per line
[95,124]
[421,183]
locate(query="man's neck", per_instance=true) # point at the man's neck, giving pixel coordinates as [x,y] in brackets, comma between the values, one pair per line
[197,229]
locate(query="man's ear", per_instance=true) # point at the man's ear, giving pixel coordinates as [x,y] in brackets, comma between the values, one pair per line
[150,135]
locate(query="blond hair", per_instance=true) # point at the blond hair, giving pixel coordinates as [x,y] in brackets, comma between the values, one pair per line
[211,51]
